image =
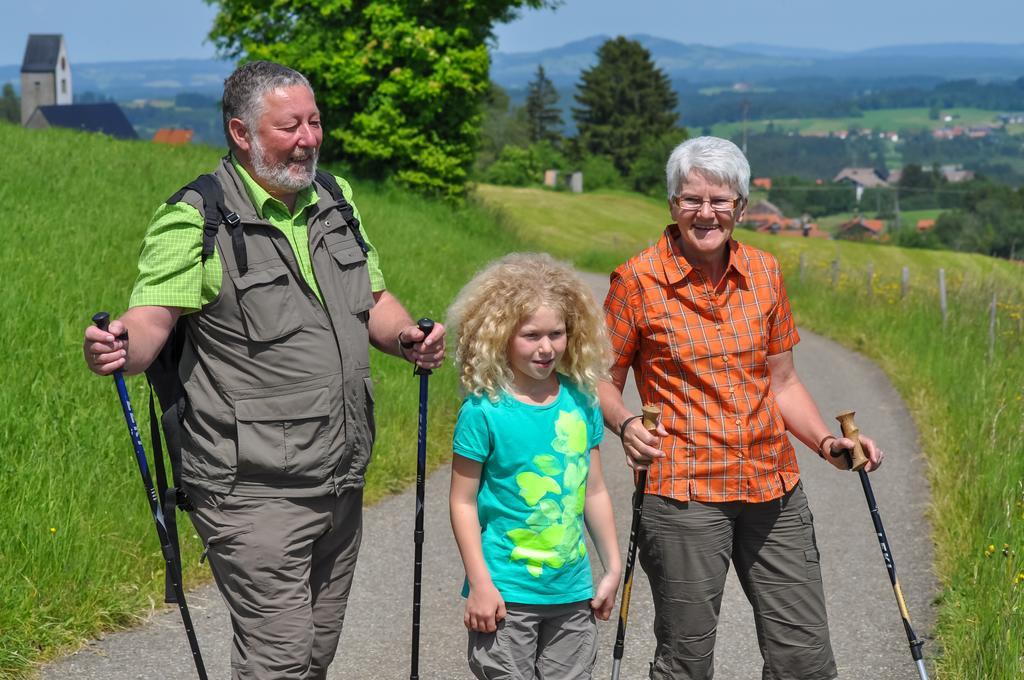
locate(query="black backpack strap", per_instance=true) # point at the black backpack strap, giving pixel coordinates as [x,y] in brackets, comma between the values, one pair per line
[215,213]
[162,375]
[168,499]
[330,184]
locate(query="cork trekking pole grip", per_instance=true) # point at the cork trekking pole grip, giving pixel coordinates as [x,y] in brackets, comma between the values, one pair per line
[850,430]
[650,415]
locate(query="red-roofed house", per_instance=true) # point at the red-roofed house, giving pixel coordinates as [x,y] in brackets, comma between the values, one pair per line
[925,225]
[860,229]
[172,136]
[763,183]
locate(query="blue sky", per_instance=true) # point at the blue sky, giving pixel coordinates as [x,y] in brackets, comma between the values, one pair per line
[128,30]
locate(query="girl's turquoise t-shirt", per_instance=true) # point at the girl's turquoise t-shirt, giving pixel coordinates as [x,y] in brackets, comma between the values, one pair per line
[533,486]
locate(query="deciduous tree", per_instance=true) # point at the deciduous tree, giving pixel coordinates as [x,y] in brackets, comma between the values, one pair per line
[399,82]
[624,101]
[503,125]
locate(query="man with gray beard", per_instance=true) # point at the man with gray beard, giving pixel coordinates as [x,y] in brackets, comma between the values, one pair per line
[277,422]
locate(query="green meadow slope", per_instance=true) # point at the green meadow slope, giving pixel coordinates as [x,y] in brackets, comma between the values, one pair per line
[600,230]
[964,384]
[78,552]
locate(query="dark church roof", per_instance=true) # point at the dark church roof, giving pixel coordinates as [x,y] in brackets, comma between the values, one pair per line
[105,117]
[41,54]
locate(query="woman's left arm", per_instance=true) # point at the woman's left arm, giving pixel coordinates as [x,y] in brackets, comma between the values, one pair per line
[802,417]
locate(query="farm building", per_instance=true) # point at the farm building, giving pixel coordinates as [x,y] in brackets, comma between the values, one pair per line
[860,229]
[867,178]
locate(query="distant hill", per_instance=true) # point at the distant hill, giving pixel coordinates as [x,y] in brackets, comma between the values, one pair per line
[951,50]
[752,62]
[695,62]
[783,51]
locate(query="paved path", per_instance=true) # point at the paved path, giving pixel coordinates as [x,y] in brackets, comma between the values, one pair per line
[867,634]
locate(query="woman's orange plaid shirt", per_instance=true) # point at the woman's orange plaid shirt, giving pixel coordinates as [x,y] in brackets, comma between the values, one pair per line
[700,352]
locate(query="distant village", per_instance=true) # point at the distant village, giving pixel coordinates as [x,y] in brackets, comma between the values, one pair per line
[766,217]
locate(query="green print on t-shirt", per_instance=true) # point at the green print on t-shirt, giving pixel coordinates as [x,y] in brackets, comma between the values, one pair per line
[553,535]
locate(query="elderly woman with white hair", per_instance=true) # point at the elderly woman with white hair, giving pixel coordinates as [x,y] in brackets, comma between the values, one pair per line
[706,325]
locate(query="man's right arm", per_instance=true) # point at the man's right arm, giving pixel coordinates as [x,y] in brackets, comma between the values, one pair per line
[172,280]
[147,330]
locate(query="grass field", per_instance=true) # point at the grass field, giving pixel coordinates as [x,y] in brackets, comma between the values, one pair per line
[968,403]
[887,120]
[78,552]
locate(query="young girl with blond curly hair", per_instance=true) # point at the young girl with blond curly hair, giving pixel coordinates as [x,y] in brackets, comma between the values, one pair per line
[526,474]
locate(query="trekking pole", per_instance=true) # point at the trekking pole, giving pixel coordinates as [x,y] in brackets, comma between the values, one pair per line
[858,461]
[102,320]
[650,418]
[425,326]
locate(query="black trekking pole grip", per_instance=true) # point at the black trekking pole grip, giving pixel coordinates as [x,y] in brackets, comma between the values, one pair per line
[102,321]
[426,326]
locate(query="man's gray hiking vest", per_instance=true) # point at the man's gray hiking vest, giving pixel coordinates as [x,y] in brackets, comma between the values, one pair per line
[277,384]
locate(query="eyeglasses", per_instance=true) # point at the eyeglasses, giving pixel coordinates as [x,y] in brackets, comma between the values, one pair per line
[718,205]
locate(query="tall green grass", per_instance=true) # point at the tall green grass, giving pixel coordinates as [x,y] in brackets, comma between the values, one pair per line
[78,552]
[968,404]
[970,410]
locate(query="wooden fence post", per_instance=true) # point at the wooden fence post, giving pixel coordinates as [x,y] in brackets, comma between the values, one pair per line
[904,282]
[803,266]
[942,295]
[871,277]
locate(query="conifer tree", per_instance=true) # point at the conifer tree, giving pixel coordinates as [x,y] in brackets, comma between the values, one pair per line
[543,119]
[624,101]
